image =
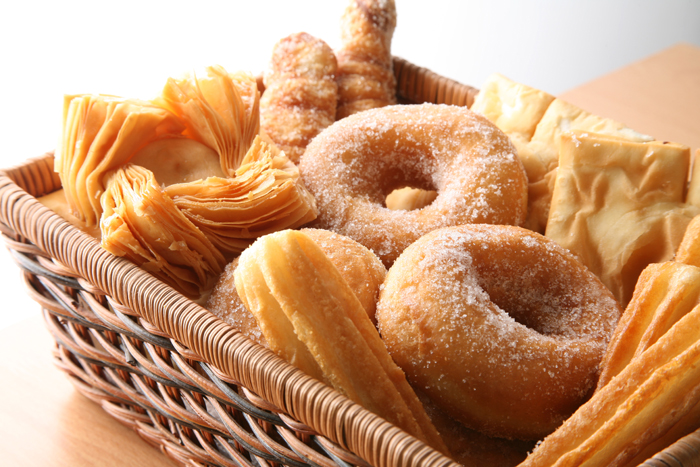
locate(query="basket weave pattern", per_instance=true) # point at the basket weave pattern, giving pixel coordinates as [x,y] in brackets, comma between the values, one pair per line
[184,380]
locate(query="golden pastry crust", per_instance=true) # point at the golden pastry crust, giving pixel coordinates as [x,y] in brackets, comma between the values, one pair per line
[365,67]
[618,205]
[100,134]
[264,195]
[361,269]
[295,291]
[499,326]
[353,165]
[300,95]
[142,223]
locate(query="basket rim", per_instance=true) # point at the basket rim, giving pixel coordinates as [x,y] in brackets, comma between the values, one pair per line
[348,424]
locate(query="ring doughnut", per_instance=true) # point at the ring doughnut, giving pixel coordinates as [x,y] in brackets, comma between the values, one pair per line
[498,325]
[353,165]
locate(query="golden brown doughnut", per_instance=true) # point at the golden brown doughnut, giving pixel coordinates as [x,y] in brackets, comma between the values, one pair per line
[301,94]
[353,165]
[500,326]
[365,67]
[360,268]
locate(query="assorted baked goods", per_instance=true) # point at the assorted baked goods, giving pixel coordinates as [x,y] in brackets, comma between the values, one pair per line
[359,267]
[488,336]
[535,121]
[353,165]
[274,277]
[648,395]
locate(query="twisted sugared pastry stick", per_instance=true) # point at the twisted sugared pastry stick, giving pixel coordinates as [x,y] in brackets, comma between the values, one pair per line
[300,95]
[365,70]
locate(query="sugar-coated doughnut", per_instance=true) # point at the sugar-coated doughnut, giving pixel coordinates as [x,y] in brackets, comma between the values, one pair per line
[361,269]
[353,165]
[500,326]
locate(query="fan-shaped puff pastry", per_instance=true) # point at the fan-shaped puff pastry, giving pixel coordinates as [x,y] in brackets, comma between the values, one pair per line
[141,223]
[221,110]
[264,195]
[101,133]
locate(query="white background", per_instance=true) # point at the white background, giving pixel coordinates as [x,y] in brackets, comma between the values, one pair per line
[129,48]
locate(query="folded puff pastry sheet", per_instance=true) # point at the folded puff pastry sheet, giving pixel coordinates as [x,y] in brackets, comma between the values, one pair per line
[619,205]
[535,121]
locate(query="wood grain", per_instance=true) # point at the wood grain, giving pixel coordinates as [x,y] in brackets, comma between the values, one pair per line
[659,96]
[46,422]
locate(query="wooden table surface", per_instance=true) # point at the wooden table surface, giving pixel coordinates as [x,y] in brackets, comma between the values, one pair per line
[45,422]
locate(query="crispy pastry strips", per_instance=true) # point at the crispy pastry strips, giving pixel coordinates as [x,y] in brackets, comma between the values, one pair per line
[648,395]
[296,293]
[638,406]
[141,223]
[101,133]
[264,195]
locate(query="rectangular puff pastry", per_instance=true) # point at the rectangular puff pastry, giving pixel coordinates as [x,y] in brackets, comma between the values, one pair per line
[619,205]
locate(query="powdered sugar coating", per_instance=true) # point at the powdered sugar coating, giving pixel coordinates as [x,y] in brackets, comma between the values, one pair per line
[353,165]
[499,325]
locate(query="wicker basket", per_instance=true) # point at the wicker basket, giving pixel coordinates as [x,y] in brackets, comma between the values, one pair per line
[184,380]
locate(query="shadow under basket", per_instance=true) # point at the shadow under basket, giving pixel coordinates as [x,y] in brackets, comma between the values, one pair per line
[187,382]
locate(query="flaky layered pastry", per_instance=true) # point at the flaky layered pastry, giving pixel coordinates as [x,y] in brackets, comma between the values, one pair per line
[265,194]
[664,294]
[141,223]
[514,107]
[643,402]
[298,296]
[179,160]
[619,205]
[101,133]
[220,110]
[301,94]
[365,67]
[535,121]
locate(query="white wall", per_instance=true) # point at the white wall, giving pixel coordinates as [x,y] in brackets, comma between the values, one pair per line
[130,48]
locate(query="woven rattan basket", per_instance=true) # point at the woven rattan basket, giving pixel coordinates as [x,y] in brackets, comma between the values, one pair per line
[184,380]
